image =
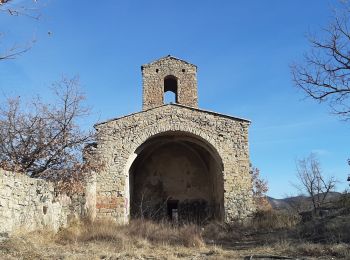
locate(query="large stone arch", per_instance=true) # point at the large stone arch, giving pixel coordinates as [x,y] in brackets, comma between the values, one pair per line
[209,176]
[167,126]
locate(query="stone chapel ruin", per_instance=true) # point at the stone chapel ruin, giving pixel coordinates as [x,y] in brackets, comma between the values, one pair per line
[168,161]
[173,161]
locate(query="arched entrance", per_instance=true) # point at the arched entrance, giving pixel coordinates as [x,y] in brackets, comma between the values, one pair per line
[176,176]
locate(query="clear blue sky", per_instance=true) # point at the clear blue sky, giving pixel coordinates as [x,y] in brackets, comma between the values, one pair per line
[242,48]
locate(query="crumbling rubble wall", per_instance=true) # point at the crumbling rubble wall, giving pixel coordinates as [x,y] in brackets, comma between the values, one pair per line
[28,204]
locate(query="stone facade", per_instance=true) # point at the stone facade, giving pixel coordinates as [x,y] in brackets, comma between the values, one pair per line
[133,147]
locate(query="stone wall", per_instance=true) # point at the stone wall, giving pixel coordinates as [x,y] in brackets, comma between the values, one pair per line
[119,139]
[153,75]
[29,204]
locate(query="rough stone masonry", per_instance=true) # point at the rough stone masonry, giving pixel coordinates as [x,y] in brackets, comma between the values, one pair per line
[28,204]
[173,161]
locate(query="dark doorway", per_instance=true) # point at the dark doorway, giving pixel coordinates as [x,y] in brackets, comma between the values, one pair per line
[172,210]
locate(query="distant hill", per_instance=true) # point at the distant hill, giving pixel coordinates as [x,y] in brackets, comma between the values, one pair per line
[298,201]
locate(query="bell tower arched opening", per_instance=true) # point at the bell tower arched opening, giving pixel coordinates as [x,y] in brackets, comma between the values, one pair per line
[170,85]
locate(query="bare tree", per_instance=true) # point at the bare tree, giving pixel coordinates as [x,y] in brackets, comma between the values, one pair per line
[313,182]
[324,75]
[260,188]
[27,8]
[45,140]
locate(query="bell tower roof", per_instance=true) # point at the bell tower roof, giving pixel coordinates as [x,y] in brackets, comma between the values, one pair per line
[168,57]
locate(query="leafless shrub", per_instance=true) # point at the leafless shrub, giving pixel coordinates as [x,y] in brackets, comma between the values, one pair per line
[44,140]
[270,220]
[332,229]
[260,189]
[144,207]
[344,201]
[313,182]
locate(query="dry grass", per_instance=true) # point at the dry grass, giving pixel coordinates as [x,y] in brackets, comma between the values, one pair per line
[218,232]
[136,231]
[317,250]
[306,249]
[105,239]
[165,233]
[271,220]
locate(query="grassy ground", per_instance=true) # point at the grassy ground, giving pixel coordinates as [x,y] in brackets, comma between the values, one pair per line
[267,234]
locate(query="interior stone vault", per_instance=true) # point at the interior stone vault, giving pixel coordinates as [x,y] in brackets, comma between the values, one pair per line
[178,177]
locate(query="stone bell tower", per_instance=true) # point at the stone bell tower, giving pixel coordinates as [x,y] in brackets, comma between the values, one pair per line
[169,74]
